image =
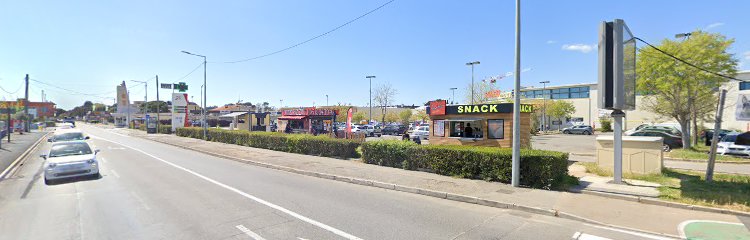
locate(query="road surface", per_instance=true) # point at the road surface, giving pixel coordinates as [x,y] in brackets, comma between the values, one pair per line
[154,191]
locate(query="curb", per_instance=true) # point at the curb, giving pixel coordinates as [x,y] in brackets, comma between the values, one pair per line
[421,191]
[23,155]
[706,161]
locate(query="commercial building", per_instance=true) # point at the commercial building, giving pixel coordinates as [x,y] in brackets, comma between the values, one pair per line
[584,97]
[308,120]
[36,109]
[477,125]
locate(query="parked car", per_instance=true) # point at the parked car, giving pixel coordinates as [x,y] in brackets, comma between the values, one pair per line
[670,141]
[580,129]
[370,130]
[669,130]
[64,135]
[394,130]
[734,143]
[70,159]
[421,132]
[708,135]
[639,127]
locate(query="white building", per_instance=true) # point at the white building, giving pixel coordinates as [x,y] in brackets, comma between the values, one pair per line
[584,98]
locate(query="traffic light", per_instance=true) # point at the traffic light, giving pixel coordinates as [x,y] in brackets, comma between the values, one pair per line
[181,86]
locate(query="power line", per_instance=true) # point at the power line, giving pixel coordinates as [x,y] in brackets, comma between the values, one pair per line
[313,38]
[186,75]
[65,89]
[11,93]
[685,62]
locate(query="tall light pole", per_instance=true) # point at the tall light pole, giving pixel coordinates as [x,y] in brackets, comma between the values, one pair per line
[544,104]
[370,78]
[453,91]
[203,110]
[326,99]
[145,97]
[516,166]
[472,79]
[281,103]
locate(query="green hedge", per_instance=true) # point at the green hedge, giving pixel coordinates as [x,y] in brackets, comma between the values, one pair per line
[165,129]
[539,169]
[321,145]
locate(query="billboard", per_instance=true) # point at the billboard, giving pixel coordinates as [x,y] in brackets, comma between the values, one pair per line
[742,112]
[437,107]
[179,110]
[123,103]
[617,73]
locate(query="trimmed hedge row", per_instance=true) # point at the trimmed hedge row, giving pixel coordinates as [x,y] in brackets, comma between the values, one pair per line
[539,169]
[165,129]
[321,145]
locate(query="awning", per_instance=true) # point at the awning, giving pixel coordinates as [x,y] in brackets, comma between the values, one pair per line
[462,120]
[231,115]
[291,117]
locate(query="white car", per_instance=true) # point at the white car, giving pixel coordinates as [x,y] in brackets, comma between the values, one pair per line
[422,132]
[63,135]
[70,159]
[727,145]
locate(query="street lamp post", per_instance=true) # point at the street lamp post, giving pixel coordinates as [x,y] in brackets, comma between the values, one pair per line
[453,92]
[203,111]
[472,79]
[370,78]
[516,157]
[326,100]
[544,104]
[145,97]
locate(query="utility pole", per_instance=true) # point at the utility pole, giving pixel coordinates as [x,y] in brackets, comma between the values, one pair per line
[544,105]
[370,78]
[27,124]
[715,139]
[472,79]
[516,157]
[453,91]
[157,104]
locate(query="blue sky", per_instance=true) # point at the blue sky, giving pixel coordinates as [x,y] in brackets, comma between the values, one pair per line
[420,47]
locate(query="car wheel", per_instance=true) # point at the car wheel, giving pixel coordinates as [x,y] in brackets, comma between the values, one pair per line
[586,133]
[48,182]
[96,176]
[666,148]
[566,132]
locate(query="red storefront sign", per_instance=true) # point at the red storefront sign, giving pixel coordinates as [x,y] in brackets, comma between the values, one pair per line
[437,107]
[310,112]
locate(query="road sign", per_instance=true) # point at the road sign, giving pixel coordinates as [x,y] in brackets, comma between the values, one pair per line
[181,86]
[166,85]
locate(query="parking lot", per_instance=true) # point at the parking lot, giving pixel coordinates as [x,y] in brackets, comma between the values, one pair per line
[580,147]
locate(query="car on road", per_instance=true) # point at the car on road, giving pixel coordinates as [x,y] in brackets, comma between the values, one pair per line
[394,130]
[421,132]
[580,129]
[670,141]
[734,144]
[70,159]
[64,135]
[370,130]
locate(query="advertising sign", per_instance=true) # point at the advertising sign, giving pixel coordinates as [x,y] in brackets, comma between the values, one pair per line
[309,112]
[743,107]
[123,103]
[438,128]
[437,107]
[179,110]
[486,108]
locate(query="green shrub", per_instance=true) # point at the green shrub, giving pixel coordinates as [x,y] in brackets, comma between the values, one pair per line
[321,145]
[606,124]
[165,129]
[539,169]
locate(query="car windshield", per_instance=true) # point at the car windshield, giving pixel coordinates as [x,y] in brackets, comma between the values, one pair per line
[729,138]
[71,136]
[68,149]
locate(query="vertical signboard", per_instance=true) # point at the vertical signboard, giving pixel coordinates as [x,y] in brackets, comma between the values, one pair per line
[348,121]
[179,110]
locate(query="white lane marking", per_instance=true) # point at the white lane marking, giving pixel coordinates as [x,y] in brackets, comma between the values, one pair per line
[102,160]
[140,200]
[114,173]
[249,233]
[584,236]
[681,227]
[244,194]
[301,238]
[643,235]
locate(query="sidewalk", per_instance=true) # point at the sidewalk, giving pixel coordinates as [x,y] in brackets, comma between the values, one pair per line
[585,207]
[732,168]
[17,146]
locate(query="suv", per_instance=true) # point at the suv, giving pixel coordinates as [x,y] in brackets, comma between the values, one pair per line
[371,130]
[421,132]
[582,129]
[394,130]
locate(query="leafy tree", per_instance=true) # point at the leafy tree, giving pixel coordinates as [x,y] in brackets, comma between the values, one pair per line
[152,106]
[404,116]
[341,117]
[480,90]
[384,95]
[560,109]
[420,115]
[59,111]
[391,117]
[676,90]
[358,117]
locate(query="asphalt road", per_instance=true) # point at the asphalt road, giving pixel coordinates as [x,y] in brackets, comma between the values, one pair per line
[155,191]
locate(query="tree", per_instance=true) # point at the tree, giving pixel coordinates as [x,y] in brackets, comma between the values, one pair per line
[480,90]
[59,111]
[420,115]
[560,109]
[152,106]
[384,95]
[404,116]
[358,117]
[341,117]
[676,90]
[392,117]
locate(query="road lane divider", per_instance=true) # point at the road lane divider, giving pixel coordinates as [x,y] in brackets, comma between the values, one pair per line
[244,194]
[114,173]
[24,155]
[249,233]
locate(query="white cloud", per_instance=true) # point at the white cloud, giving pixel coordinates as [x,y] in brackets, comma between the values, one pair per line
[747,55]
[551,41]
[578,47]
[713,25]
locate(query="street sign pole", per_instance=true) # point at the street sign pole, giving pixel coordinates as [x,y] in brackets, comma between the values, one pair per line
[516,157]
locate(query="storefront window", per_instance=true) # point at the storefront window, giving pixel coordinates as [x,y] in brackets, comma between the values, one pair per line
[496,129]
[466,129]
[296,124]
[438,129]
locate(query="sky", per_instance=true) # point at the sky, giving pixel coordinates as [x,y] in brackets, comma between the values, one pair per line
[419,47]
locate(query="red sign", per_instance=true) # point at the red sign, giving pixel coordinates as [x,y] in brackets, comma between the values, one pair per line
[437,107]
[310,112]
[493,94]
[349,121]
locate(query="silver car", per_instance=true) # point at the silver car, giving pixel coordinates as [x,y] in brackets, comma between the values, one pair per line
[580,129]
[70,159]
